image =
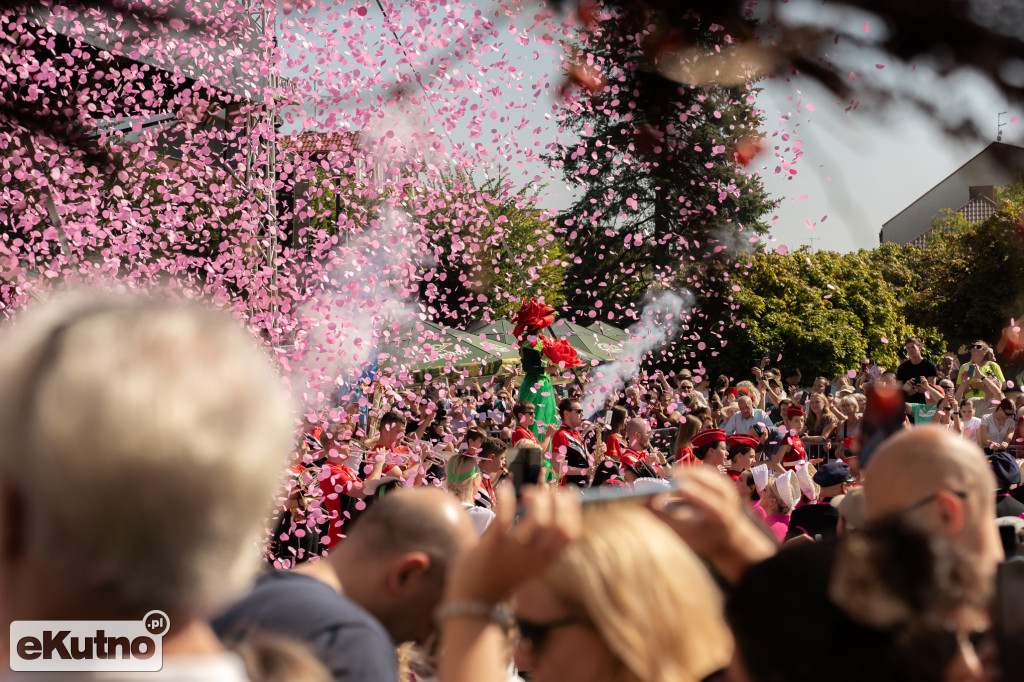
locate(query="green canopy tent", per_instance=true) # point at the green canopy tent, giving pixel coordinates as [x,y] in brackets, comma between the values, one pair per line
[424,347]
[588,343]
[605,329]
[577,337]
[499,330]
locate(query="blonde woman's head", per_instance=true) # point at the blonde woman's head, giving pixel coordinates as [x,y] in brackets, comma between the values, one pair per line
[463,477]
[848,404]
[638,604]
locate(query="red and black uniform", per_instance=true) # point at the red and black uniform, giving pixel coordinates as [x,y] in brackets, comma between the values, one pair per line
[796,453]
[396,458]
[336,484]
[568,443]
[523,433]
[285,543]
[485,495]
[613,446]
[641,456]
[685,456]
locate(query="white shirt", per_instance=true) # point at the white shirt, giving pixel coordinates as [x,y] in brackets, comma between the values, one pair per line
[990,432]
[970,427]
[480,516]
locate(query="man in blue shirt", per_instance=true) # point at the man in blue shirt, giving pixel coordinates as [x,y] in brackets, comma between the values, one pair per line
[745,418]
[379,587]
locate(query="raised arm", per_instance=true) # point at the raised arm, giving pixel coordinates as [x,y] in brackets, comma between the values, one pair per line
[474,615]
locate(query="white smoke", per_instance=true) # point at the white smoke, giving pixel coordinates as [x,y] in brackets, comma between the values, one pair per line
[658,322]
[363,300]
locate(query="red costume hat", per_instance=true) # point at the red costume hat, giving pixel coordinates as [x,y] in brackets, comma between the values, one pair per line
[532,317]
[742,439]
[794,411]
[707,437]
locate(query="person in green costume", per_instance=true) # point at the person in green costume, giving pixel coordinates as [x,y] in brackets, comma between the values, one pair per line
[536,387]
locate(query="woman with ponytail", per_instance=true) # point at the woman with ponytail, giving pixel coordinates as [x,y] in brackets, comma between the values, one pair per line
[463,478]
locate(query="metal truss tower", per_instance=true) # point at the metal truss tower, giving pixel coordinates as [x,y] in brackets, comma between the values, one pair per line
[261,136]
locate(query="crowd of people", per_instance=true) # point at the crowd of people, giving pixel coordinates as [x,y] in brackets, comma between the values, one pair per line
[766,433]
[679,528]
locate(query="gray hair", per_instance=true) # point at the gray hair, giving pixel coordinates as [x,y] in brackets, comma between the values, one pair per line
[144,442]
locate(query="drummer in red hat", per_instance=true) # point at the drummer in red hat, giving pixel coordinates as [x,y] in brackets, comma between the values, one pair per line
[710,448]
[791,451]
[741,453]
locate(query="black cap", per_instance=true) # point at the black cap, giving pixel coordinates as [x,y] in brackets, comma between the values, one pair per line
[1004,466]
[832,474]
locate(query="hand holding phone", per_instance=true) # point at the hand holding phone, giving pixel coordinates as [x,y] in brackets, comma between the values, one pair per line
[510,553]
[524,467]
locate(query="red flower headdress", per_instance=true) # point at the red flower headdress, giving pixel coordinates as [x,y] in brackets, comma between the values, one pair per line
[559,351]
[532,317]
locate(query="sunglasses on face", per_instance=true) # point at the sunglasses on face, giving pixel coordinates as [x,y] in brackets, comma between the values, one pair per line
[978,346]
[534,636]
[578,410]
[1008,414]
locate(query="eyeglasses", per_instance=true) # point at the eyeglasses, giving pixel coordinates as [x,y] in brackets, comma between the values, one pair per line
[931,498]
[529,413]
[534,636]
[978,346]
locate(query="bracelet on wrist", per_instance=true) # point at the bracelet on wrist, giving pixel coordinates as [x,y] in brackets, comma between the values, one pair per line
[498,614]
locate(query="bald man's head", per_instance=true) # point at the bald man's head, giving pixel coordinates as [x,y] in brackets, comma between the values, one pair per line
[940,478]
[638,432]
[414,519]
[394,560]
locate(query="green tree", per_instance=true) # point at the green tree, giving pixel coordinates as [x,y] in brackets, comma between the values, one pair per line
[492,246]
[973,277]
[659,184]
[823,312]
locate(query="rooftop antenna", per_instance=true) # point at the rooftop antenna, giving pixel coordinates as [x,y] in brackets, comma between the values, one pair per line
[999,126]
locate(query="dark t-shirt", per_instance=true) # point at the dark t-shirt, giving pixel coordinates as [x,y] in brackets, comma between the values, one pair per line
[346,639]
[908,371]
[1007,505]
[814,519]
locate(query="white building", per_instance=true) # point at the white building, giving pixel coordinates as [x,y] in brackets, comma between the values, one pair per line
[969,190]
